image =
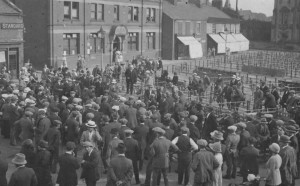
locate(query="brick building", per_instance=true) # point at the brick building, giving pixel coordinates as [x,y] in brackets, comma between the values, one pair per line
[191,27]
[58,30]
[11,37]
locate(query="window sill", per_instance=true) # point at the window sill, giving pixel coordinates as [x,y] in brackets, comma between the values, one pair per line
[133,21]
[96,20]
[71,20]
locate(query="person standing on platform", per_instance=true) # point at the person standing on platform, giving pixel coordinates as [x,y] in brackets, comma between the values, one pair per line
[131,78]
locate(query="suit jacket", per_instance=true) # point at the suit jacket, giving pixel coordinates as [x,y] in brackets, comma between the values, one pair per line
[159,149]
[131,117]
[132,149]
[131,76]
[210,125]
[67,172]
[249,158]
[42,127]
[53,137]
[26,127]
[72,130]
[244,139]
[288,169]
[23,176]
[194,131]
[3,170]
[163,107]
[112,148]
[90,169]
[94,140]
[121,131]
[120,169]
[122,109]
[169,133]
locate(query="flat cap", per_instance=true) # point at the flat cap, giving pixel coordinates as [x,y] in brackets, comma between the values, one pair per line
[158,130]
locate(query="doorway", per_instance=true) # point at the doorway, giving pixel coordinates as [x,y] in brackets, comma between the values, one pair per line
[117,46]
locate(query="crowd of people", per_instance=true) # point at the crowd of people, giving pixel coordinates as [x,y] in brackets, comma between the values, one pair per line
[84,111]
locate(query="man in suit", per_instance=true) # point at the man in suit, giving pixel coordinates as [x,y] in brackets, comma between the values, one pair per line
[270,102]
[53,137]
[288,169]
[160,152]
[68,164]
[140,134]
[42,126]
[132,153]
[169,133]
[244,136]
[113,144]
[91,134]
[22,176]
[186,145]
[123,127]
[249,159]
[131,78]
[285,97]
[89,164]
[26,126]
[163,105]
[210,123]
[72,129]
[3,170]
[120,170]
[131,116]
[194,131]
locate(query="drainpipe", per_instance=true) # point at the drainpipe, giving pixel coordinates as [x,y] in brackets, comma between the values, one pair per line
[52,37]
[84,40]
[142,27]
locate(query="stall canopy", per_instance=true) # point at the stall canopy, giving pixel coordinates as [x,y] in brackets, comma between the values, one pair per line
[235,42]
[195,48]
[243,41]
[219,41]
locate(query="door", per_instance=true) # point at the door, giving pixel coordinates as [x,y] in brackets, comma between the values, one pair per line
[13,63]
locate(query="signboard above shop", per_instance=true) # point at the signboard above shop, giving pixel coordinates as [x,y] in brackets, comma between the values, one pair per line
[12,26]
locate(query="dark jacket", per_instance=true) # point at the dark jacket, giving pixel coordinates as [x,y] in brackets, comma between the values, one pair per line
[67,173]
[42,168]
[90,169]
[210,125]
[3,170]
[23,176]
[249,158]
[132,149]
[120,169]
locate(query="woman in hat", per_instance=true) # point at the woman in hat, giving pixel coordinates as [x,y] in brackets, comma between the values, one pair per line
[273,165]
[217,151]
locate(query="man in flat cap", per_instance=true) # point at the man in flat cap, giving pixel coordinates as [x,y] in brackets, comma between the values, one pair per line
[72,128]
[132,152]
[89,164]
[25,126]
[231,143]
[68,165]
[160,152]
[113,144]
[204,162]
[43,164]
[186,145]
[120,170]
[42,126]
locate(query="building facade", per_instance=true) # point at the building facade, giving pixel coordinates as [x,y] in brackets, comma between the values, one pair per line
[62,30]
[187,25]
[11,37]
[286,21]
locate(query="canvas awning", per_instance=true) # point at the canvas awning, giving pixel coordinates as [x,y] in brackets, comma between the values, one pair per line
[195,47]
[231,42]
[243,41]
[219,41]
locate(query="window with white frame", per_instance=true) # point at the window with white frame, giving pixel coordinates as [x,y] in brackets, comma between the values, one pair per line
[96,43]
[116,12]
[150,13]
[150,40]
[97,11]
[71,44]
[71,10]
[133,41]
[133,13]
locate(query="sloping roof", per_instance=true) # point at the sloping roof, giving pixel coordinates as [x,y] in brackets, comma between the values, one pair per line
[7,7]
[191,11]
[222,20]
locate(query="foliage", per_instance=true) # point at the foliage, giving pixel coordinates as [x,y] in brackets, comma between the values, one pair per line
[256,30]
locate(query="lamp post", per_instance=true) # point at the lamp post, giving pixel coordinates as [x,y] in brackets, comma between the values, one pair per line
[101,35]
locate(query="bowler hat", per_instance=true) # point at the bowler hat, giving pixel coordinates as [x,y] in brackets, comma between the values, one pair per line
[284,139]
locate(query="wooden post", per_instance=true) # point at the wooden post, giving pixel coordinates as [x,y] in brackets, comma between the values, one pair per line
[248,106]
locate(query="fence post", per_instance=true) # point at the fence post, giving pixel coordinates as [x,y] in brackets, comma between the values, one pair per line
[248,106]
[247,78]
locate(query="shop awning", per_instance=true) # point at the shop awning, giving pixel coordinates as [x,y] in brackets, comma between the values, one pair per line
[195,48]
[244,42]
[231,42]
[219,41]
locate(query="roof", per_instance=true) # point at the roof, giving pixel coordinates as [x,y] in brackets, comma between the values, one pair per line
[222,20]
[192,12]
[7,7]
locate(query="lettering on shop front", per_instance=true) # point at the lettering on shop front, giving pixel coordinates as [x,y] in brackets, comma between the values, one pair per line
[10,26]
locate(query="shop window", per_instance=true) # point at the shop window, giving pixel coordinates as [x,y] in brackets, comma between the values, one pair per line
[187,28]
[150,40]
[150,13]
[133,13]
[97,43]
[179,25]
[71,10]
[97,11]
[71,44]
[133,41]
[116,12]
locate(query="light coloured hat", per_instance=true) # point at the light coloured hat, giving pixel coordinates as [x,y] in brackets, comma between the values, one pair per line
[185,129]
[217,135]
[114,81]
[87,144]
[274,147]
[123,99]
[242,125]
[91,124]
[159,130]
[202,142]
[116,107]
[5,96]
[216,147]
[27,89]
[232,128]
[129,131]
[268,116]
[64,98]
[16,91]
[19,159]
[233,76]
[88,105]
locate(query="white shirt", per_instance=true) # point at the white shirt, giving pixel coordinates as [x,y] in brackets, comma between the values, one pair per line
[192,143]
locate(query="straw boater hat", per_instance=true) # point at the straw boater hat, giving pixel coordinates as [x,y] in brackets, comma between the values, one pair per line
[19,159]
[91,124]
